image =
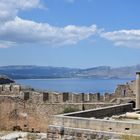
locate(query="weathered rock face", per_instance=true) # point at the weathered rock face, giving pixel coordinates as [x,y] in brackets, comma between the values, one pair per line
[5,80]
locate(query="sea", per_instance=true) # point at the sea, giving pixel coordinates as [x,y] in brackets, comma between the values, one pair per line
[76,85]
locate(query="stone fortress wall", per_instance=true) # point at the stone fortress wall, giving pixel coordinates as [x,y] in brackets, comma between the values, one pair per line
[113,122]
[93,124]
[30,110]
[125,90]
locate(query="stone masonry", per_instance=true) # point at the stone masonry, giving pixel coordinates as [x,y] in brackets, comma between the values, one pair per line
[31,110]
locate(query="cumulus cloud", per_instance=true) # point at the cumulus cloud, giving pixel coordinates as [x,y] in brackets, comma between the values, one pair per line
[10,8]
[26,31]
[15,30]
[126,38]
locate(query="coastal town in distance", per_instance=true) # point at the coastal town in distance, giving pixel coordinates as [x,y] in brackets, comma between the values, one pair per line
[69,70]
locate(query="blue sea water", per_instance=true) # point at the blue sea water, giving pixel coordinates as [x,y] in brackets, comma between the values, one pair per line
[78,85]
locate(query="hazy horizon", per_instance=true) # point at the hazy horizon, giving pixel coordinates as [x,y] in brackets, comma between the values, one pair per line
[68,66]
[70,33]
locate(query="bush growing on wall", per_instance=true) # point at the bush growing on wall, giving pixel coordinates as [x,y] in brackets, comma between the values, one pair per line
[69,110]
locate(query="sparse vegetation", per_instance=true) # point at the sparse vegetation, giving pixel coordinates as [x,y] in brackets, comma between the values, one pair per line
[130,137]
[69,110]
[31,136]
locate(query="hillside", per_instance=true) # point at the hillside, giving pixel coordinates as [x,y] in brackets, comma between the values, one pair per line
[41,72]
[37,72]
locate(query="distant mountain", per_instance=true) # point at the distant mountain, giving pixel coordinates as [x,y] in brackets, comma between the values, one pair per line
[36,72]
[42,72]
[108,72]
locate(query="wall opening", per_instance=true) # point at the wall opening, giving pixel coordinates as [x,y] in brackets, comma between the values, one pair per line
[127,128]
[133,103]
[45,97]
[98,96]
[65,96]
[26,96]
[82,97]
[123,93]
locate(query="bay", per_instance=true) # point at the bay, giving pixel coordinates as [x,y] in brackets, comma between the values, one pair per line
[77,85]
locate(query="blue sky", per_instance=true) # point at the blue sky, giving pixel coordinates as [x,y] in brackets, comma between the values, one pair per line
[70,33]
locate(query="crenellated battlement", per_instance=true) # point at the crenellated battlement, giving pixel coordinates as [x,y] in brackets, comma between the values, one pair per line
[17,100]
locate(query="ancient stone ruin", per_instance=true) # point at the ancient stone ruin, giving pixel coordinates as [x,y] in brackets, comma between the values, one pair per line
[120,121]
[28,109]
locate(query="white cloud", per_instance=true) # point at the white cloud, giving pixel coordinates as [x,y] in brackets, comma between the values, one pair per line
[26,31]
[10,8]
[6,44]
[15,31]
[126,38]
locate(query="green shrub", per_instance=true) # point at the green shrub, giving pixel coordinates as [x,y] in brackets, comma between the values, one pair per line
[69,110]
